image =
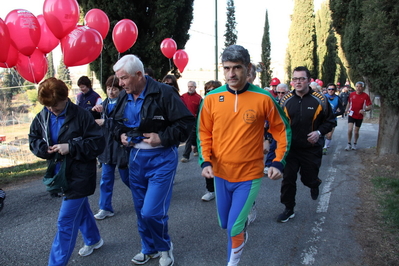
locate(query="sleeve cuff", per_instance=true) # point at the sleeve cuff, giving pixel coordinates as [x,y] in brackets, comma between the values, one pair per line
[205,164]
[278,165]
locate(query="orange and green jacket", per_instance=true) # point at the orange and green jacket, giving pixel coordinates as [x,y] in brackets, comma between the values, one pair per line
[230,132]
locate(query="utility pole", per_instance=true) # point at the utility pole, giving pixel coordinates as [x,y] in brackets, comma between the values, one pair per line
[216,41]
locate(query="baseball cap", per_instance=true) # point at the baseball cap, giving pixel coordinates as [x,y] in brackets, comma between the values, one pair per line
[275,82]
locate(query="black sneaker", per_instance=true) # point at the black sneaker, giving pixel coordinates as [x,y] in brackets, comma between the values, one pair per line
[314,193]
[285,216]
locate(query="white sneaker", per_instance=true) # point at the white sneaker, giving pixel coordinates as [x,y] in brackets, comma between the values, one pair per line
[102,214]
[141,258]
[348,147]
[252,214]
[87,250]
[266,170]
[354,147]
[167,257]
[208,196]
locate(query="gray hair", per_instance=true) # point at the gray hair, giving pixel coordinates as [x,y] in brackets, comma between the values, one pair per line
[129,63]
[193,82]
[283,86]
[361,83]
[314,85]
[236,53]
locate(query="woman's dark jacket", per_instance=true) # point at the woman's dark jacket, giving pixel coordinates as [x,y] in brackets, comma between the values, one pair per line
[114,152]
[162,112]
[86,142]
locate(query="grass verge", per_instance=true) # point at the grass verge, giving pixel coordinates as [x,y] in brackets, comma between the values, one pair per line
[387,191]
[21,172]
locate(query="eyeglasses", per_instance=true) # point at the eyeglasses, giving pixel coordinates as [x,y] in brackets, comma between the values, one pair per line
[301,79]
[280,92]
[331,89]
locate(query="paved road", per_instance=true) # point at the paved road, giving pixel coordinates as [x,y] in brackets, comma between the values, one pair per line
[320,234]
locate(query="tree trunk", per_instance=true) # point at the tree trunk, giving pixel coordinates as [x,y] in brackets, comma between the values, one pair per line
[388,134]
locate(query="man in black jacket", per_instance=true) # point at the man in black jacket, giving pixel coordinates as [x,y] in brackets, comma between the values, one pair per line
[154,123]
[310,118]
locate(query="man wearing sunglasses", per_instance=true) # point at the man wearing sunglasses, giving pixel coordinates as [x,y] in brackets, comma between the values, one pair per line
[310,118]
[337,108]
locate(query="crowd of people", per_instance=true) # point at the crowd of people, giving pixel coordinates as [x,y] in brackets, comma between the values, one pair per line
[238,131]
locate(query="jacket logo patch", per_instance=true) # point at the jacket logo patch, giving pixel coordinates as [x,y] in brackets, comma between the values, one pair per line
[249,116]
[310,108]
[158,117]
[221,98]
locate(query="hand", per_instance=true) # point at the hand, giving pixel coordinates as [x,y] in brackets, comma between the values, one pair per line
[98,108]
[152,139]
[124,140]
[99,122]
[207,172]
[274,173]
[62,149]
[362,112]
[313,137]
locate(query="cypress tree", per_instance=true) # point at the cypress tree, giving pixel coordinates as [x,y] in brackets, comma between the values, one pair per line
[266,74]
[231,32]
[50,62]
[302,37]
[326,45]
[369,40]
[63,73]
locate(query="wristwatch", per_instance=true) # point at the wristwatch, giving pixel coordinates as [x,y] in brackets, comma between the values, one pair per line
[319,133]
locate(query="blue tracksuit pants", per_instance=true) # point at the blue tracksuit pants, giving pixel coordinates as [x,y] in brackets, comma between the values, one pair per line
[234,201]
[75,215]
[107,185]
[151,175]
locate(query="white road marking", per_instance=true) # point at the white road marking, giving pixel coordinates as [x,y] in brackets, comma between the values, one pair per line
[308,254]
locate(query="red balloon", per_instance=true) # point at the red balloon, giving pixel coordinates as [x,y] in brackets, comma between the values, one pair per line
[61,16]
[12,58]
[24,30]
[168,47]
[82,46]
[32,68]
[98,20]
[124,35]
[47,40]
[5,41]
[180,58]
[318,81]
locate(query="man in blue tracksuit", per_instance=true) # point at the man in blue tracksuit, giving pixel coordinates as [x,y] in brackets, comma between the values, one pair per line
[154,123]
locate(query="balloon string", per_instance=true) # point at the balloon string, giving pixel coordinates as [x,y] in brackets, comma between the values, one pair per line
[14,77]
[170,65]
[31,70]
[119,56]
[101,69]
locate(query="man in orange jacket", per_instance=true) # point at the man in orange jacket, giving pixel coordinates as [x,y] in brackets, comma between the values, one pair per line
[230,131]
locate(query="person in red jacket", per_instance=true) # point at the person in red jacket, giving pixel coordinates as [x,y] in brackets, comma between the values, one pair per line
[358,104]
[192,101]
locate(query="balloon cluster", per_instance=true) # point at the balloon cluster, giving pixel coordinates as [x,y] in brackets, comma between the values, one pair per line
[25,39]
[169,50]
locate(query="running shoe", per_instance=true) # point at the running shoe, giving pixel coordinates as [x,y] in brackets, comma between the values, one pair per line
[141,258]
[286,215]
[348,147]
[87,250]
